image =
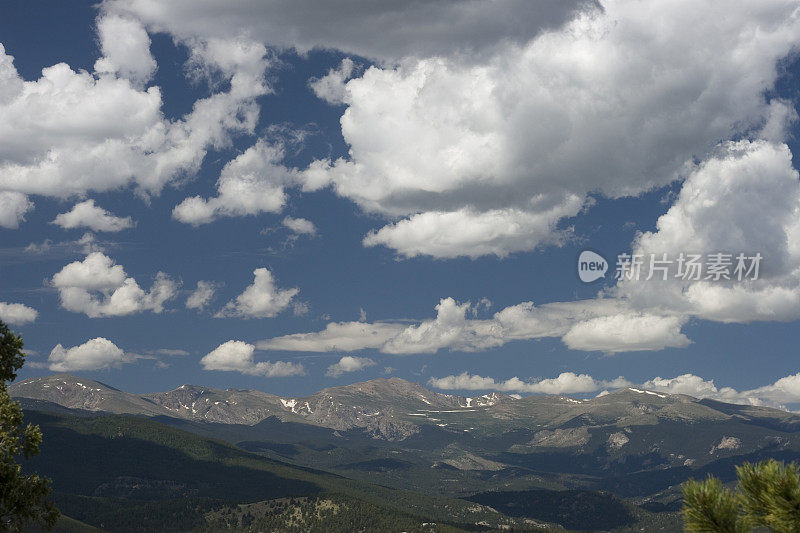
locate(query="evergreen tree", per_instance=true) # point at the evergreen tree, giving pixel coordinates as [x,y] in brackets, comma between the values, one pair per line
[24,499]
[767,496]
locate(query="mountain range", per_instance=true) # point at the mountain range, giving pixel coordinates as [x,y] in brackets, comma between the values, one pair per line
[633,444]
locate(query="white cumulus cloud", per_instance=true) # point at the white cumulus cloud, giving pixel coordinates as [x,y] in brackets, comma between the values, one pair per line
[745,198]
[98,287]
[88,215]
[72,132]
[300,226]
[626,332]
[95,354]
[251,184]
[582,321]
[348,363]
[13,206]
[201,295]
[17,314]
[262,299]
[487,157]
[126,49]
[785,390]
[565,383]
[237,356]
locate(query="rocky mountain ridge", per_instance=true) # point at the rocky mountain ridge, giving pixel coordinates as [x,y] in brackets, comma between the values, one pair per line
[394,409]
[380,406]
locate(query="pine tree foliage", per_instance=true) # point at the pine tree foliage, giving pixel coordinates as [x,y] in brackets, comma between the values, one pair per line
[767,498]
[24,499]
[711,508]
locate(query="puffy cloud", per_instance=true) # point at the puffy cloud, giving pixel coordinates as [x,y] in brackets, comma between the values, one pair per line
[300,226]
[451,329]
[611,103]
[688,384]
[627,332]
[98,287]
[262,299]
[603,324]
[743,199]
[17,314]
[565,383]
[468,233]
[56,128]
[446,330]
[502,128]
[249,185]
[348,363]
[378,30]
[475,118]
[94,354]
[237,356]
[126,49]
[69,133]
[13,206]
[330,87]
[784,390]
[87,214]
[201,295]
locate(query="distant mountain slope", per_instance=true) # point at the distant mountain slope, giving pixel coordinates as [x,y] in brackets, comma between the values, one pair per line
[396,433]
[395,409]
[96,461]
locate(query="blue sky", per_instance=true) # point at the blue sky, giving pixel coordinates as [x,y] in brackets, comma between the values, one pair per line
[422,163]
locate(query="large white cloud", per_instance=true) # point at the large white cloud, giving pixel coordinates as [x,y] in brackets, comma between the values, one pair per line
[69,133]
[17,314]
[505,148]
[627,332]
[262,299]
[348,363]
[743,199]
[94,354]
[98,287]
[479,132]
[237,356]
[88,215]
